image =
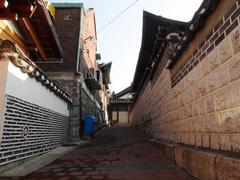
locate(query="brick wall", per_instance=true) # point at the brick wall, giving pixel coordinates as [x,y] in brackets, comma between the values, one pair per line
[198,102]
[67,25]
[30,130]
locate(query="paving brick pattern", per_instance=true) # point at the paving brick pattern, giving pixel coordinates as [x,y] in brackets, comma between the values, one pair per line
[118,152]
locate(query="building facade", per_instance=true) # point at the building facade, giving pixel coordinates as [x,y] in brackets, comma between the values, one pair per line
[186,88]
[49,76]
[78,72]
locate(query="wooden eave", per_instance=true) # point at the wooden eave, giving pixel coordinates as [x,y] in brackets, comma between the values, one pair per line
[46,32]
[122,93]
[195,25]
[155,30]
[35,24]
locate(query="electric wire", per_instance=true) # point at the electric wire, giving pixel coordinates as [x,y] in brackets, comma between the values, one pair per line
[116,17]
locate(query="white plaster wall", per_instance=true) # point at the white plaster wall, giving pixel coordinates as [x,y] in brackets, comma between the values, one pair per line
[3,79]
[22,86]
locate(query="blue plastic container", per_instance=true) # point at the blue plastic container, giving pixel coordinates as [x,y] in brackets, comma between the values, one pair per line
[89,123]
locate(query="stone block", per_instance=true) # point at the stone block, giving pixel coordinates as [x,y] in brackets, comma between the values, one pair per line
[190,93]
[235,90]
[194,125]
[205,66]
[192,139]
[202,87]
[199,140]
[205,140]
[195,108]
[225,142]
[203,124]
[235,141]
[234,68]
[200,164]
[237,119]
[181,113]
[210,103]
[235,40]
[212,81]
[227,168]
[222,76]
[198,71]
[225,50]
[220,99]
[213,59]
[226,121]
[214,141]
[197,92]
[182,85]
[213,121]
[202,106]
[189,80]
[179,156]
[188,111]
[208,123]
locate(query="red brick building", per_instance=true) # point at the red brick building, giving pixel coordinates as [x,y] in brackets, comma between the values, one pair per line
[78,71]
[187,85]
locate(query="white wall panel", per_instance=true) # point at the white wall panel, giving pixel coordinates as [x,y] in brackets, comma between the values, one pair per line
[22,86]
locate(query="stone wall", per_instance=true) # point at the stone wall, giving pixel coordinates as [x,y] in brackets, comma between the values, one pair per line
[72,87]
[197,102]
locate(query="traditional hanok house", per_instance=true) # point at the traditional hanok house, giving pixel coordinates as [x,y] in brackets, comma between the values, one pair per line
[34,114]
[77,72]
[119,106]
[187,84]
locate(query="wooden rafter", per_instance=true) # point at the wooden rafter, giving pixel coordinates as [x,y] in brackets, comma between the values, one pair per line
[36,25]
[35,39]
[23,10]
[5,14]
[3,4]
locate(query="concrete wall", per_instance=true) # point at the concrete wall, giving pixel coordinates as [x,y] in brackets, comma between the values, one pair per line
[89,44]
[202,107]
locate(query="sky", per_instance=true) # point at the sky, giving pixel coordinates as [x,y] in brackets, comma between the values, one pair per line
[120,41]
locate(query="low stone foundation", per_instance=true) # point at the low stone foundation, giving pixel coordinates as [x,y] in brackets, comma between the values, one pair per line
[203,163]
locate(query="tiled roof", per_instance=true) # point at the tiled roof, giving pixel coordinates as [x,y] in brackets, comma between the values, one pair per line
[195,25]
[117,97]
[155,39]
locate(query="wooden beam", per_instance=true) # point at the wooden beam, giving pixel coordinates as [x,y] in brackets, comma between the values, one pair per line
[5,14]
[3,4]
[23,10]
[34,37]
[43,15]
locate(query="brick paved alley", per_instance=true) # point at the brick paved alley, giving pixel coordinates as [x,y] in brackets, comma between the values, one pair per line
[118,152]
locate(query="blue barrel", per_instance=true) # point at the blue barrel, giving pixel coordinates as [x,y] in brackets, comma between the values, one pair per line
[89,123]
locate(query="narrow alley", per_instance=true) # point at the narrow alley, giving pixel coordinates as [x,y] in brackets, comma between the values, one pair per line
[118,152]
[157,83]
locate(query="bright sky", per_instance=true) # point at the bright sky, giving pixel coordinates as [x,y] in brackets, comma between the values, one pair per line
[120,41]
